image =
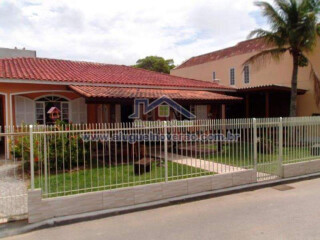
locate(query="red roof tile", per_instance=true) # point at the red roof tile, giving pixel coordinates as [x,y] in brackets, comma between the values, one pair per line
[252,45]
[116,92]
[92,73]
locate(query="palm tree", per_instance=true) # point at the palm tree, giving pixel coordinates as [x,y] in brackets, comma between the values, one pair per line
[293,29]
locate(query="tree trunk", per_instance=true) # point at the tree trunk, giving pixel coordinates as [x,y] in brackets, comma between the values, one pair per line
[294,83]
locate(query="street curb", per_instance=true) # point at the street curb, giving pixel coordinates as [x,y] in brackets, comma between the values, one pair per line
[21,227]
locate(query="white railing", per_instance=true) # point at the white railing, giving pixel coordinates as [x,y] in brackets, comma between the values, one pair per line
[73,159]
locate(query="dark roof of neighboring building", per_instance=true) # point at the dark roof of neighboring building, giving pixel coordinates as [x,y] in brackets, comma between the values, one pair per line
[269,87]
[117,92]
[54,70]
[248,46]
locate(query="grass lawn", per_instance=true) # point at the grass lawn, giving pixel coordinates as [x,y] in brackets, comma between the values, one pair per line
[242,156]
[112,177]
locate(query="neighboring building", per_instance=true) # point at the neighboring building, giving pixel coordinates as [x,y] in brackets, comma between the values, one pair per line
[266,90]
[14,53]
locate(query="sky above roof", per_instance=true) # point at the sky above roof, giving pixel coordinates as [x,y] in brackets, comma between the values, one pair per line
[122,31]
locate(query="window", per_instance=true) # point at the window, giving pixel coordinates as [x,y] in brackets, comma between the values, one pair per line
[232,76]
[246,73]
[213,76]
[44,104]
[164,111]
[40,112]
[65,111]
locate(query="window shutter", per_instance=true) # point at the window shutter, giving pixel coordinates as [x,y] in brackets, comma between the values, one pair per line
[24,110]
[201,112]
[78,111]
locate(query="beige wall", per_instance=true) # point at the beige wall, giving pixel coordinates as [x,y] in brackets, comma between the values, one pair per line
[270,73]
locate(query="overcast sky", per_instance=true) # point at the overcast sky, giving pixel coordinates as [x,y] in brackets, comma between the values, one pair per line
[122,31]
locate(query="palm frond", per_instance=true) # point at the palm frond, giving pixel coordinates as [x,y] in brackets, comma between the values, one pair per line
[269,37]
[264,57]
[283,5]
[273,16]
[314,5]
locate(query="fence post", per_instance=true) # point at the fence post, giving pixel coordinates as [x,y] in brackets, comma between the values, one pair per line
[45,162]
[166,150]
[280,147]
[255,144]
[7,152]
[31,157]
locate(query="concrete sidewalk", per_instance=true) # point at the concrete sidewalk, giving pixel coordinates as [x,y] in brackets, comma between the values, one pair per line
[282,212]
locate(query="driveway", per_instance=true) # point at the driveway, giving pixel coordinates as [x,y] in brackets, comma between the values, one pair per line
[283,212]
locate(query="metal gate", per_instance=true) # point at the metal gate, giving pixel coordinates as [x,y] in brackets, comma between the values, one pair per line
[267,151]
[13,174]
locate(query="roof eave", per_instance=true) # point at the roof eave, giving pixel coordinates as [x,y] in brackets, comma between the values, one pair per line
[43,82]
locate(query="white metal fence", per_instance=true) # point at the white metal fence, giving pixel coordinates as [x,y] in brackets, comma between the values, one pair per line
[74,159]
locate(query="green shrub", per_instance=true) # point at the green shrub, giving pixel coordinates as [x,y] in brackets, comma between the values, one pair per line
[64,150]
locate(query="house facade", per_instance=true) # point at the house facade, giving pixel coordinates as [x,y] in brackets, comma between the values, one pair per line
[265,87]
[97,93]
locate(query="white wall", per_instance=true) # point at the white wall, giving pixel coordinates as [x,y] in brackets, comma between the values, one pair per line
[13,53]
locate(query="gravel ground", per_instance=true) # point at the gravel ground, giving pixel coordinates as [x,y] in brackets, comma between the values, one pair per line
[13,193]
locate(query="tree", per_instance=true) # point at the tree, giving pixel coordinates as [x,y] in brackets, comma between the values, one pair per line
[154,63]
[293,29]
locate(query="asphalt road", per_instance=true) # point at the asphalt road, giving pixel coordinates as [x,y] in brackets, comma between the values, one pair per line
[270,213]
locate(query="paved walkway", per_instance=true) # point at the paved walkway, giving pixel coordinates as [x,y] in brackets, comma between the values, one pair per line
[209,166]
[282,212]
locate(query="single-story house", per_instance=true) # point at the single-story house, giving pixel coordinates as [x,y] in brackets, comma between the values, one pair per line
[86,92]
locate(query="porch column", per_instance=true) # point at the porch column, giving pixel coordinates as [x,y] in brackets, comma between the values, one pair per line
[223,111]
[267,104]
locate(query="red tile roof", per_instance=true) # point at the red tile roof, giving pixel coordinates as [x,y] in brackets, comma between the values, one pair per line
[252,45]
[116,92]
[92,73]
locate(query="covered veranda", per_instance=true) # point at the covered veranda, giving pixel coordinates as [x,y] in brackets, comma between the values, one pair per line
[262,102]
[115,104]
